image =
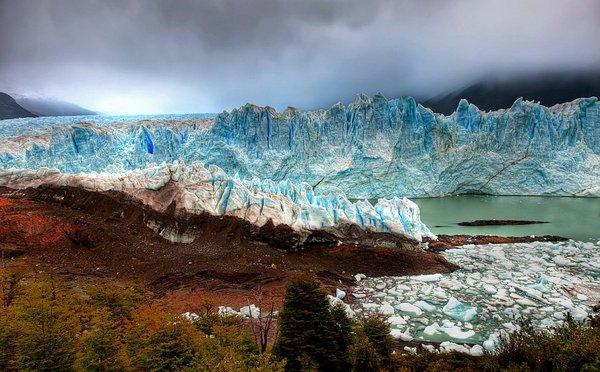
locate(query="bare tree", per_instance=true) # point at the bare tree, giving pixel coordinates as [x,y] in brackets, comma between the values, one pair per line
[262,324]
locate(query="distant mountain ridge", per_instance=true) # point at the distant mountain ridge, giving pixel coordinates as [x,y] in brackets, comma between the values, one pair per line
[548,89]
[10,109]
[51,107]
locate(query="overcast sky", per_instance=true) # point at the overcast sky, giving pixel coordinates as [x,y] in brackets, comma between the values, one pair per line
[151,56]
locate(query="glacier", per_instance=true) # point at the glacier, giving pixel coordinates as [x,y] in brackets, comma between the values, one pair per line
[373,148]
[197,189]
[305,169]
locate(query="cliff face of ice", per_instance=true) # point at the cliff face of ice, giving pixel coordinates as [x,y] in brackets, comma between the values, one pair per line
[197,189]
[377,147]
[372,148]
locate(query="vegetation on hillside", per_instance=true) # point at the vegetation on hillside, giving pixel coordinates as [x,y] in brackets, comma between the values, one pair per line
[47,325]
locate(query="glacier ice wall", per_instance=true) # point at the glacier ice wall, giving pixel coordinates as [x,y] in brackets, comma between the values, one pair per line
[299,168]
[198,189]
[377,147]
[372,148]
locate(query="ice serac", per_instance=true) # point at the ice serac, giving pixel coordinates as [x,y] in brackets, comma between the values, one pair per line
[377,147]
[197,189]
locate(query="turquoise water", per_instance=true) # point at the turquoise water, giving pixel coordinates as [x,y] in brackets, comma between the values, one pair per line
[575,218]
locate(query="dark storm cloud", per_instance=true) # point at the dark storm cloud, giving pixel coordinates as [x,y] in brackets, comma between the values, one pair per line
[182,56]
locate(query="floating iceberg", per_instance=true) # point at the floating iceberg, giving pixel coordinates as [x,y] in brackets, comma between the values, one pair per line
[459,311]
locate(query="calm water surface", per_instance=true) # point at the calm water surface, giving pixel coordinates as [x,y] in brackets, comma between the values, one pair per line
[575,218]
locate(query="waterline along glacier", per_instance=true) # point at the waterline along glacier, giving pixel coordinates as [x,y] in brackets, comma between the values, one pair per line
[304,168]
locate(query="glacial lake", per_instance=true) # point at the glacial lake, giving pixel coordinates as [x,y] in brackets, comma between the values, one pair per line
[574,218]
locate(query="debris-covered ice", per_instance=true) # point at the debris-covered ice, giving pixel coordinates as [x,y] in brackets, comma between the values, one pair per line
[495,287]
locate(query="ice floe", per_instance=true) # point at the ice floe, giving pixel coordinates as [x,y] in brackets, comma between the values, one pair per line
[496,286]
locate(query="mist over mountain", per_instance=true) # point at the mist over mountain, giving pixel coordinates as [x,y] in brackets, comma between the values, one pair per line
[51,107]
[493,94]
[10,109]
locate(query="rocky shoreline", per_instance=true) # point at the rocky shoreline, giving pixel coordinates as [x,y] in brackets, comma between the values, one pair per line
[451,241]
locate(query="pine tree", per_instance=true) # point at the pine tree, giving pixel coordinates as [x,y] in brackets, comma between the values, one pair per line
[363,356]
[310,332]
[377,330]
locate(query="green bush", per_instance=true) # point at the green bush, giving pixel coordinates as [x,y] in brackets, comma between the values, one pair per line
[453,361]
[564,348]
[5,339]
[48,320]
[569,347]
[120,300]
[101,348]
[111,327]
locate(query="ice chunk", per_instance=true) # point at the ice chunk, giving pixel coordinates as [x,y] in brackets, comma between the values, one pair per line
[409,309]
[380,286]
[489,288]
[427,278]
[189,316]
[386,309]
[476,350]
[459,311]
[451,284]
[432,329]
[359,277]
[562,261]
[563,302]
[424,305]
[457,333]
[429,348]
[410,350]
[396,320]
[448,346]
[525,302]
[578,314]
[370,306]
[547,323]
[226,310]
[492,342]
[336,301]
[404,336]
[542,284]
[250,311]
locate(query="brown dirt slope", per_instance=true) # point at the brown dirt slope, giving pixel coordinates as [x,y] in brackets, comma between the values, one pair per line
[85,235]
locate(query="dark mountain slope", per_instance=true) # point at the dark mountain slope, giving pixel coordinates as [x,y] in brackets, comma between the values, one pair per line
[10,109]
[548,89]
